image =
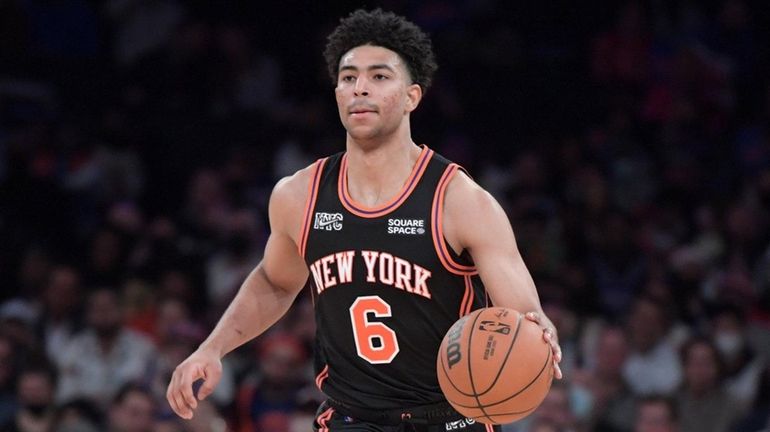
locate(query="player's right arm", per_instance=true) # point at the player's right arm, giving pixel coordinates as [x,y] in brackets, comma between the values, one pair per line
[263,298]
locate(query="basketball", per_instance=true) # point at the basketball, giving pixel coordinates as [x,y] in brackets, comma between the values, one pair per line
[494,366]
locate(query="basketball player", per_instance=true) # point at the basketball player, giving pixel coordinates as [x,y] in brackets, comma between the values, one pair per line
[395,240]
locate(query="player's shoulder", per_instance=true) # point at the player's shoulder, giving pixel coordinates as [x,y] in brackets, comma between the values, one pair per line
[468,209]
[462,190]
[291,192]
[467,200]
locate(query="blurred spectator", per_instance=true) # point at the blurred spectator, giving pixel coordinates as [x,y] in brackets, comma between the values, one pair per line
[653,364]
[612,403]
[171,313]
[35,387]
[140,310]
[78,415]
[61,309]
[18,318]
[175,282]
[758,416]
[251,79]
[104,260]
[743,367]
[131,410]
[703,402]
[544,425]
[271,394]
[106,355]
[289,158]
[142,26]
[207,419]
[169,423]
[33,271]
[656,414]
[623,54]
[300,321]
[109,173]
[9,360]
[207,206]
[617,264]
[554,410]
[229,265]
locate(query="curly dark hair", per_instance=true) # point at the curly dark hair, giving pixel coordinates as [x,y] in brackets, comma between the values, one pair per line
[387,30]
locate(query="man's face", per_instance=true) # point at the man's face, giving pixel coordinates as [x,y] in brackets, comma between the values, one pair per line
[646,325]
[654,417]
[701,369]
[62,292]
[374,92]
[35,389]
[613,351]
[133,414]
[104,314]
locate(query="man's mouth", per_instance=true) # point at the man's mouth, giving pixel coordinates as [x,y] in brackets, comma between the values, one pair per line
[361,110]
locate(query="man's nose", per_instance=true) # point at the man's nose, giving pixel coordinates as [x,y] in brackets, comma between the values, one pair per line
[362,87]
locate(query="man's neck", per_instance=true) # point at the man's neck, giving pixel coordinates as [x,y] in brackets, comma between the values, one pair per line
[376,173]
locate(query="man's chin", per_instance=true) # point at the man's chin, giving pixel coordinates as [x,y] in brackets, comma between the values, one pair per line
[362,133]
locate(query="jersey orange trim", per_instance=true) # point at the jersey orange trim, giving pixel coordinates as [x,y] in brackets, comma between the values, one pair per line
[323,418]
[319,380]
[363,211]
[312,188]
[467,304]
[437,219]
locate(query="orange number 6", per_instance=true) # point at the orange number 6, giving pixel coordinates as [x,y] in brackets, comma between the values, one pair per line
[365,332]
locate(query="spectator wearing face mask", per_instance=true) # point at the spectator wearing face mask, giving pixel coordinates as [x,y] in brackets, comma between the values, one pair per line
[613,404]
[743,366]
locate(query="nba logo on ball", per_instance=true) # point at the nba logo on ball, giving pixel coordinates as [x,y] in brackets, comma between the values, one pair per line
[494,366]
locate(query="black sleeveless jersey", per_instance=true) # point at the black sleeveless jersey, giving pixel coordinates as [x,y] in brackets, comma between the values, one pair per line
[386,286]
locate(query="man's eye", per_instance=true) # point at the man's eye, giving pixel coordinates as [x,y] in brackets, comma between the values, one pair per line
[380,77]
[348,78]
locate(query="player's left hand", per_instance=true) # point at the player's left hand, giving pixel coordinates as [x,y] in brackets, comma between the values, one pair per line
[551,336]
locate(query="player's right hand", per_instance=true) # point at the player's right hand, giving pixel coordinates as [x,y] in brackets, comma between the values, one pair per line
[201,364]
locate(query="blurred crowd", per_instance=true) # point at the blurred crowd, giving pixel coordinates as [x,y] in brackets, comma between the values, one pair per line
[629,143]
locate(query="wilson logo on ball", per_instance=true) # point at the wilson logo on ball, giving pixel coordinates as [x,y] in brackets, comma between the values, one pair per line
[453,355]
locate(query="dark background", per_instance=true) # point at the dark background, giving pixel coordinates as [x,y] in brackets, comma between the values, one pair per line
[140,140]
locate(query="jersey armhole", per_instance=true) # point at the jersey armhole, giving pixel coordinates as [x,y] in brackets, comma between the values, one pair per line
[312,196]
[437,226]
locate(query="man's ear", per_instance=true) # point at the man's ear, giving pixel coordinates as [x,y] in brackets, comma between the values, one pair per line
[413,97]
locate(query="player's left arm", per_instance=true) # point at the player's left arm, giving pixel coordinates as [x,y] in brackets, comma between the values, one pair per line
[475,221]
